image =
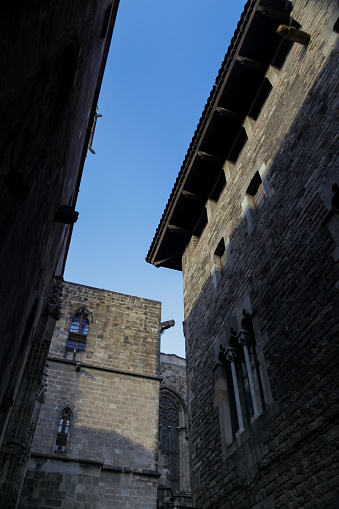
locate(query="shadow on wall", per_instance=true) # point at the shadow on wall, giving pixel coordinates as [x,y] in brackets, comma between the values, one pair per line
[283,271]
[84,478]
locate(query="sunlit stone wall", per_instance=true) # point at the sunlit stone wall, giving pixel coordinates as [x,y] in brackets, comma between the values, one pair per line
[112,390]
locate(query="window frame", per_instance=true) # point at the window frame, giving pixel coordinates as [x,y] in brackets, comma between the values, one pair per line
[221,260]
[76,341]
[256,183]
[64,426]
[233,392]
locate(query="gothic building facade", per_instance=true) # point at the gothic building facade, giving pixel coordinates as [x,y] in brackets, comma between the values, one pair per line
[97,443]
[253,222]
[174,488]
[53,57]
[96,440]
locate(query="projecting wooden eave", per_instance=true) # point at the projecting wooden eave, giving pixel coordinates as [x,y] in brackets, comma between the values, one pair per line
[220,135]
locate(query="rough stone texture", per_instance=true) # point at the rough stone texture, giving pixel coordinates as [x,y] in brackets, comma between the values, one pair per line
[52,57]
[123,335]
[111,453]
[173,386]
[285,271]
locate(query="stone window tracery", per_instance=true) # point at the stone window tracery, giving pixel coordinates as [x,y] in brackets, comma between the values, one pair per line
[78,331]
[169,440]
[63,431]
[243,379]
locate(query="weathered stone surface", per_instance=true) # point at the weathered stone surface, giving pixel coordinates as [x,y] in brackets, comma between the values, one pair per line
[173,386]
[52,56]
[112,390]
[284,271]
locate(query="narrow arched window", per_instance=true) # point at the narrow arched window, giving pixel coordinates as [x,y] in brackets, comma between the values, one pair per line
[169,443]
[63,430]
[78,331]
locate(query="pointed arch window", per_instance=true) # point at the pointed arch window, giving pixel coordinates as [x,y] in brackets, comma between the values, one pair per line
[63,430]
[169,443]
[78,331]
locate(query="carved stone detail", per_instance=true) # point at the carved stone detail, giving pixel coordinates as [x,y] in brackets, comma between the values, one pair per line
[293,34]
[54,303]
[42,388]
[37,359]
[231,354]
[26,445]
[244,337]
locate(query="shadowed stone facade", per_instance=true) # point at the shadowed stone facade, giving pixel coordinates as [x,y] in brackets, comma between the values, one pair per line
[53,56]
[260,268]
[173,459]
[111,388]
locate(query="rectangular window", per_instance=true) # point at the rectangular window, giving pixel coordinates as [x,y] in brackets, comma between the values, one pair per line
[220,257]
[221,261]
[255,192]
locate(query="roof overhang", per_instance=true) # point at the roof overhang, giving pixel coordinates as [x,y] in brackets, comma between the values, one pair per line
[239,92]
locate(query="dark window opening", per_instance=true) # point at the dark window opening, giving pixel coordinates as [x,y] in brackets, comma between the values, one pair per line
[218,188]
[260,99]
[63,431]
[199,228]
[169,440]
[336,26]
[244,377]
[256,192]
[238,146]
[220,256]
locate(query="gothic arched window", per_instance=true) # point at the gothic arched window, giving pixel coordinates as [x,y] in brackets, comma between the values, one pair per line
[78,331]
[63,430]
[169,443]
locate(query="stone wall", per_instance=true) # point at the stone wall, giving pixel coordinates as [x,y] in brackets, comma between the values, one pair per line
[283,272]
[53,57]
[173,387]
[112,390]
[123,335]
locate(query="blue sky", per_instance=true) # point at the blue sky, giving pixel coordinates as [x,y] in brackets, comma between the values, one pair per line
[164,57]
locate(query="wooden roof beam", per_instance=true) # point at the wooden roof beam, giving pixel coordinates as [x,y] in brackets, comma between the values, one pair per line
[192,196]
[253,64]
[227,113]
[160,262]
[208,157]
[177,229]
[282,17]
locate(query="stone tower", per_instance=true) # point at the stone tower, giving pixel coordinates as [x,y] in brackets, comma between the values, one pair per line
[96,442]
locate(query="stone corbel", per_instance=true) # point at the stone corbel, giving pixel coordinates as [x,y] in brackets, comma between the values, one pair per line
[66,214]
[294,35]
[55,300]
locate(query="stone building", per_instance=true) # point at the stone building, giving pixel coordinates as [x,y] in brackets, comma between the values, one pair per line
[173,461]
[53,56]
[100,441]
[253,223]
[96,441]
